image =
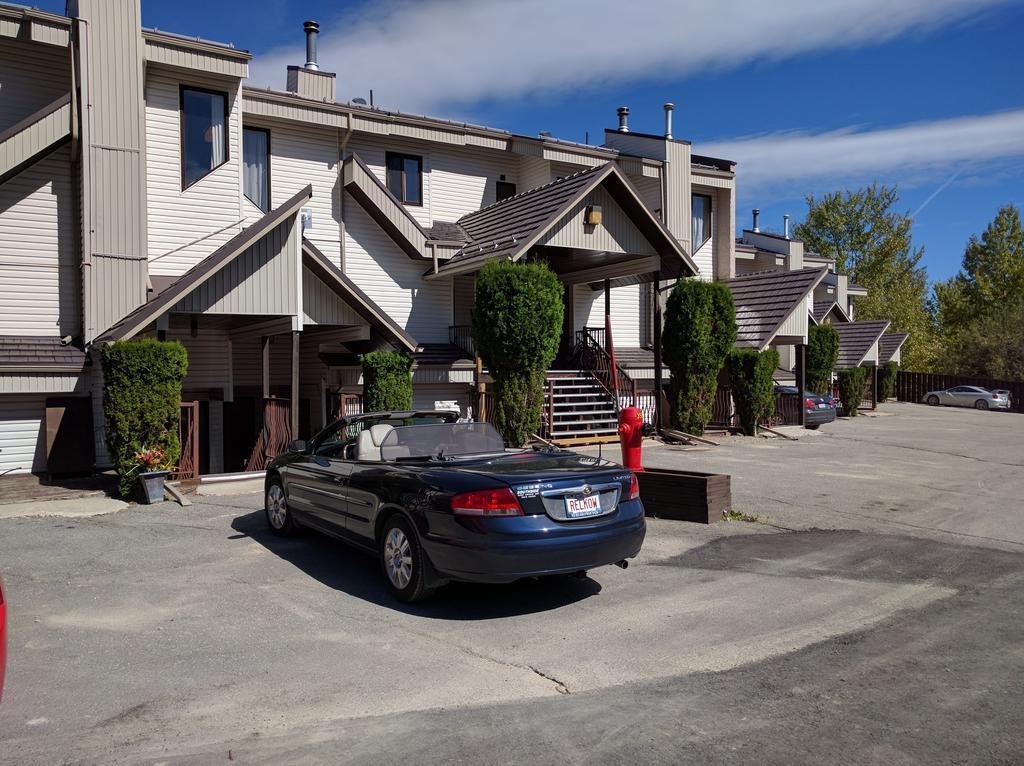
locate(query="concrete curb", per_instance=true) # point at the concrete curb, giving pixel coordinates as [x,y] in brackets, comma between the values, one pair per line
[73,508]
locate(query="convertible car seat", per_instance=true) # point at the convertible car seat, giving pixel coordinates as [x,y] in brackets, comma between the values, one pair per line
[368,446]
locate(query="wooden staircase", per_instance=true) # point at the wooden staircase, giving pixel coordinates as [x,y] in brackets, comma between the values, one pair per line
[578,409]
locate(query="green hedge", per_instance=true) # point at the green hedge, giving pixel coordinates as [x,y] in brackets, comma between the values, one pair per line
[141,403]
[517,322]
[851,388]
[700,328]
[822,355]
[753,389]
[887,380]
[387,381]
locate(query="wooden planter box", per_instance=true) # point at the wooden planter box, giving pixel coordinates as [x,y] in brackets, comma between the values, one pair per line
[685,495]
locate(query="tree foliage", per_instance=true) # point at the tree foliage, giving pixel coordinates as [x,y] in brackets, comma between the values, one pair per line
[822,355]
[517,321]
[871,243]
[141,403]
[980,310]
[851,388]
[387,381]
[700,329]
[887,380]
[753,390]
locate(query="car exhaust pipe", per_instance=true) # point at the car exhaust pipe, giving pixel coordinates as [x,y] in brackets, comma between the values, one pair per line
[622,564]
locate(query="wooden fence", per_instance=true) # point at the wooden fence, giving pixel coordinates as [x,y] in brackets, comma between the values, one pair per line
[912,386]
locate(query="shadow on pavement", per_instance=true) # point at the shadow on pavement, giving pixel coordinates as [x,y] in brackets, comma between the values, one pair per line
[358,574]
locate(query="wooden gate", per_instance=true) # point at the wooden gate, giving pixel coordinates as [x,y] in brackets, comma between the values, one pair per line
[188,438]
[274,436]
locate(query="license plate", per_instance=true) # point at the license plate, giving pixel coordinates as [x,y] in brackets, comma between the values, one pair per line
[581,507]
[822,405]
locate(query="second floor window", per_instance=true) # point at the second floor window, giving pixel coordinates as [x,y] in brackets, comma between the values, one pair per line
[504,190]
[256,167]
[701,207]
[405,177]
[204,117]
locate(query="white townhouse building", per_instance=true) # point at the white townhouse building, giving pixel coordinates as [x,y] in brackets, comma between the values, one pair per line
[145,190]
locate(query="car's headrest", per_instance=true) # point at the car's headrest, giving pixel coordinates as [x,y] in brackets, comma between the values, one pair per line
[379,431]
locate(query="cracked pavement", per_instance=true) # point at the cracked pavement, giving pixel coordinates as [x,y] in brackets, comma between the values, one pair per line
[884,628]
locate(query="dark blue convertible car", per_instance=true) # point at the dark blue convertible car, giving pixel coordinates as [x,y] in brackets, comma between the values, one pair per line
[437,500]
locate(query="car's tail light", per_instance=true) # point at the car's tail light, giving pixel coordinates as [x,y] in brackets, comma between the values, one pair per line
[809,404]
[634,488]
[995,396]
[487,502]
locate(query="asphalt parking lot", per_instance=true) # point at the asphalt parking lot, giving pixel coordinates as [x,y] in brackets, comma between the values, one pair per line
[871,615]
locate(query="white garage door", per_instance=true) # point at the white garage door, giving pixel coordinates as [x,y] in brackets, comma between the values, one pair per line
[22,435]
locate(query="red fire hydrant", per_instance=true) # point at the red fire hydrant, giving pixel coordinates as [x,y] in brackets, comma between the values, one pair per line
[631,437]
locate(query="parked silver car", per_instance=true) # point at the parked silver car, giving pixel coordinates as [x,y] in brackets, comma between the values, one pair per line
[969,396]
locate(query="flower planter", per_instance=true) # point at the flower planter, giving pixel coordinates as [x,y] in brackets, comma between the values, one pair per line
[685,495]
[152,485]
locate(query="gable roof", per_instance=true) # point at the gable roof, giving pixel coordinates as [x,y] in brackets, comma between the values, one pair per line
[766,299]
[889,344]
[138,319]
[823,308]
[856,340]
[511,227]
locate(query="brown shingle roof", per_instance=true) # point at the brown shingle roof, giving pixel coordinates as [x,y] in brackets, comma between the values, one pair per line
[889,344]
[26,352]
[856,339]
[766,299]
[823,308]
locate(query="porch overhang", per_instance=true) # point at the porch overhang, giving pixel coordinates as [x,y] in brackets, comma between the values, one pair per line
[890,346]
[554,222]
[823,310]
[858,342]
[771,306]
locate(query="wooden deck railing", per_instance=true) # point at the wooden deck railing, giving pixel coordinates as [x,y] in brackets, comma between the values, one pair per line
[461,335]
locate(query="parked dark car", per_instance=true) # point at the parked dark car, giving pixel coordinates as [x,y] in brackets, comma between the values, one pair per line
[437,500]
[3,638]
[818,409]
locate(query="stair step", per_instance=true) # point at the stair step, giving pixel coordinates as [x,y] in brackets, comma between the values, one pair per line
[611,423]
[563,408]
[577,413]
[610,432]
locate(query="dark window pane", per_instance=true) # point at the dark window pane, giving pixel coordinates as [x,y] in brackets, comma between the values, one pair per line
[413,179]
[204,133]
[394,173]
[256,167]
[504,190]
[701,214]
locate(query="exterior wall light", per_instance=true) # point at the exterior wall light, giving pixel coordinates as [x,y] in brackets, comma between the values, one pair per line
[592,216]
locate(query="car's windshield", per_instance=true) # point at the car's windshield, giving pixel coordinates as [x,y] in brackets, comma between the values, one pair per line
[441,440]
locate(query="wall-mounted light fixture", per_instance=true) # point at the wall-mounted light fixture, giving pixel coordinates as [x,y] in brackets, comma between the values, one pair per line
[592,216]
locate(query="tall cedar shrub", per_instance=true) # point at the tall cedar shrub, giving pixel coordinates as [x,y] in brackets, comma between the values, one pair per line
[851,388]
[887,380]
[517,321]
[753,390]
[141,402]
[387,381]
[700,328]
[822,355]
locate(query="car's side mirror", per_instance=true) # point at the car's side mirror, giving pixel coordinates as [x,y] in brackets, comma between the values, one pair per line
[297,445]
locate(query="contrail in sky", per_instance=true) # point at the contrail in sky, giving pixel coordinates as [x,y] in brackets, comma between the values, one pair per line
[935,193]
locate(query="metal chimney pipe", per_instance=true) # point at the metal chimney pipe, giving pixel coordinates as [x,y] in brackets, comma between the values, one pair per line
[669,106]
[623,112]
[312,29]
[756,214]
[785,225]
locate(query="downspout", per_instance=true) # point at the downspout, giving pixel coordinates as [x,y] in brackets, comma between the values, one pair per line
[342,149]
[79,77]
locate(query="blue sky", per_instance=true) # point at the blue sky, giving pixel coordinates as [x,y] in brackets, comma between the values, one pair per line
[809,97]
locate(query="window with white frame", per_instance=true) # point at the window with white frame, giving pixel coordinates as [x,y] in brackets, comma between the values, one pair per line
[204,146]
[701,212]
[256,167]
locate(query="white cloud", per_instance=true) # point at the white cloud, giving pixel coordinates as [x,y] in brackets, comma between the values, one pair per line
[430,54]
[918,150]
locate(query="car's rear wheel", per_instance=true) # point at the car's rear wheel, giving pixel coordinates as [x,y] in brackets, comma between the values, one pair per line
[402,560]
[279,515]
[981,404]
[813,427]
[933,400]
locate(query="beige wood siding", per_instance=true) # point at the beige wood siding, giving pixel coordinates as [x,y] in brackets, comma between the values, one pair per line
[209,356]
[31,76]
[704,258]
[394,281]
[615,234]
[650,192]
[35,139]
[533,172]
[588,307]
[262,280]
[464,180]
[177,54]
[39,274]
[795,324]
[363,182]
[40,383]
[260,107]
[321,305]
[373,151]
[464,297]
[22,434]
[186,226]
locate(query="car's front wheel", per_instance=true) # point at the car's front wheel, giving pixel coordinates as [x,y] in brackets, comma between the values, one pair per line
[981,404]
[402,560]
[279,515]
[933,400]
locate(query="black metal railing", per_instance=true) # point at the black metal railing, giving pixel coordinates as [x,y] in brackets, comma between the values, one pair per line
[592,356]
[461,335]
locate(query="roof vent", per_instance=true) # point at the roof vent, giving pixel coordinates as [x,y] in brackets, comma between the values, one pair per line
[312,29]
[669,106]
[756,214]
[785,225]
[545,134]
[623,112]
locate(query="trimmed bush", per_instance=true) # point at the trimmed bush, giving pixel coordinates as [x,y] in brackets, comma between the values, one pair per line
[142,405]
[822,355]
[387,381]
[887,380]
[700,328]
[517,321]
[851,388]
[753,389]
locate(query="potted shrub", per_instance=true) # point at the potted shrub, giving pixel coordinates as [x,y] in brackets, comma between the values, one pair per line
[153,468]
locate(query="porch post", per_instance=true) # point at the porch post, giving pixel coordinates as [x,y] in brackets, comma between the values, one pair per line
[657,352]
[874,387]
[265,347]
[801,381]
[609,344]
[295,384]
